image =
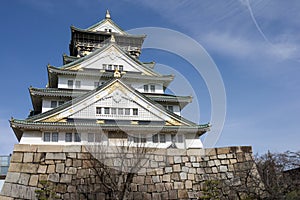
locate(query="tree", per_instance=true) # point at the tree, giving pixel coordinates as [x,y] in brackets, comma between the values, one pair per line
[112,169]
[275,171]
[270,176]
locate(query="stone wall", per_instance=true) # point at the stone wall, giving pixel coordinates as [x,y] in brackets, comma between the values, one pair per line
[172,174]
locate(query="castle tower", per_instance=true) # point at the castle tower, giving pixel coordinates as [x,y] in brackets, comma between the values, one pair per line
[85,101]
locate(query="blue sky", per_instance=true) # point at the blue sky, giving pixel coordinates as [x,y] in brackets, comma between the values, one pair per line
[254,43]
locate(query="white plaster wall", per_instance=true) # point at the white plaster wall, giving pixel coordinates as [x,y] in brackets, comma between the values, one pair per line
[140,87]
[88,84]
[107,25]
[31,137]
[85,84]
[176,110]
[192,142]
[36,137]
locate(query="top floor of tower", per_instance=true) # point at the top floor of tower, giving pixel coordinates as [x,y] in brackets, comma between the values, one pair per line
[85,41]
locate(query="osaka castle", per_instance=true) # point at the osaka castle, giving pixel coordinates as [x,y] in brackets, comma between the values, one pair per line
[104,94]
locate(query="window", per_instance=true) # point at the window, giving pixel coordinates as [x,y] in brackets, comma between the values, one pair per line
[53,104]
[109,30]
[115,67]
[68,137]
[55,137]
[113,111]
[177,138]
[120,111]
[121,68]
[180,138]
[60,103]
[96,84]
[106,111]
[91,137]
[98,137]
[46,137]
[170,108]
[159,138]
[77,137]
[104,66]
[162,138]
[98,110]
[70,83]
[127,111]
[152,88]
[135,111]
[51,137]
[109,67]
[146,88]
[77,84]
[155,138]
[139,139]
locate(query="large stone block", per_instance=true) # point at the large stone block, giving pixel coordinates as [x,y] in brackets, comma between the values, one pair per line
[195,152]
[56,156]
[25,148]
[6,189]
[60,168]
[168,169]
[71,170]
[28,157]
[173,194]
[72,148]
[139,180]
[182,194]
[176,168]
[38,157]
[50,148]
[175,152]
[12,177]
[24,179]
[223,150]
[185,169]
[177,159]
[42,169]
[53,177]
[15,167]
[51,169]
[188,184]
[66,178]
[183,175]
[17,157]
[29,168]
[160,187]
[222,156]
[210,152]
[34,179]
[156,196]
[223,168]
[155,179]
[142,188]
[166,178]
[6,198]
[178,185]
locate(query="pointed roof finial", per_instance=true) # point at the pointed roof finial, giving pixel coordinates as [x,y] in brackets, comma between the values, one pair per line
[112,39]
[107,15]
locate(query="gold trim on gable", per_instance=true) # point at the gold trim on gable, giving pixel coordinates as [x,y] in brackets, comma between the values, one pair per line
[173,122]
[75,68]
[55,118]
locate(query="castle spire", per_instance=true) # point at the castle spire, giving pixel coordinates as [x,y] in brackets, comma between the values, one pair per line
[107,15]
